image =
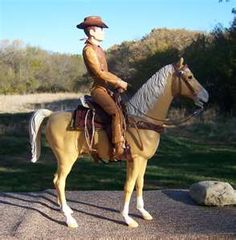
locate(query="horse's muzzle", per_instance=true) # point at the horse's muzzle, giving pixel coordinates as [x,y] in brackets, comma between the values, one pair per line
[201,98]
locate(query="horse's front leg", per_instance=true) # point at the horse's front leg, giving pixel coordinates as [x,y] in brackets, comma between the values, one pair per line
[131,177]
[139,191]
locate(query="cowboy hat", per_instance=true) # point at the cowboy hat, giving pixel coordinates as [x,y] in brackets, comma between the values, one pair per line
[92,21]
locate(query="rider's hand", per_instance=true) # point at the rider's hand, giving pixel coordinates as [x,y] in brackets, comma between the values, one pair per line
[120,90]
[122,84]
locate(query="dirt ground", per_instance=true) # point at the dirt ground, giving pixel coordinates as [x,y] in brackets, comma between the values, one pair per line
[35,215]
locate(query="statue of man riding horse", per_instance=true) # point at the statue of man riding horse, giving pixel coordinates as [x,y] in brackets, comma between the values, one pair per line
[95,61]
[147,108]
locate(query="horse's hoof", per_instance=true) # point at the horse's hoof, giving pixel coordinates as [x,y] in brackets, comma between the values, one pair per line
[148,217]
[72,225]
[71,222]
[133,224]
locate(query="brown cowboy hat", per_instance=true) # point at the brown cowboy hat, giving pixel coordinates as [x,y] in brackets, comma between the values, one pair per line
[92,21]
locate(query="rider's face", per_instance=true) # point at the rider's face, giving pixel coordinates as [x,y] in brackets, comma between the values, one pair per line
[98,33]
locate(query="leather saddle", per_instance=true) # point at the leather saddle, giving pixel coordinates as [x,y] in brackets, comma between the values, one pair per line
[89,115]
[87,111]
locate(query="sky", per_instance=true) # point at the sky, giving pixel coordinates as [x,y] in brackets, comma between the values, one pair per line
[51,24]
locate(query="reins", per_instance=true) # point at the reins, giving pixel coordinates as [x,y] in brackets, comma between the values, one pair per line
[167,123]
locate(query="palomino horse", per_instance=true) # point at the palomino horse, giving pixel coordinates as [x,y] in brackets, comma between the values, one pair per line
[150,102]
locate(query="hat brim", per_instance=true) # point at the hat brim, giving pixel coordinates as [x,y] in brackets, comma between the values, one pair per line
[84,25]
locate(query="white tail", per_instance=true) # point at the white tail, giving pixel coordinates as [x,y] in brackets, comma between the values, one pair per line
[35,132]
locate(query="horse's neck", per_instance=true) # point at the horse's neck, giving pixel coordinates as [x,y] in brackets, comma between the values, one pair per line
[160,108]
[152,102]
[154,97]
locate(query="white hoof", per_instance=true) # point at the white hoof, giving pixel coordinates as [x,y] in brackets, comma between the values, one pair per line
[133,224]
[130,221]
[71,222]
[146,215]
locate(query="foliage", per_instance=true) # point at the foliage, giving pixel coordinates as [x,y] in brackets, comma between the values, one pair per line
[136,61]
[26,69]
[212,58]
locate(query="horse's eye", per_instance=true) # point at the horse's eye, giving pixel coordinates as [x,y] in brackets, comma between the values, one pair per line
[190,77]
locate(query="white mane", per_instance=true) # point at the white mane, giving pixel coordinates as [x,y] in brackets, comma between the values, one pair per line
[148,94]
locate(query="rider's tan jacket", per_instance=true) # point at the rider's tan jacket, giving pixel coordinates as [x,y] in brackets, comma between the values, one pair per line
[96,64]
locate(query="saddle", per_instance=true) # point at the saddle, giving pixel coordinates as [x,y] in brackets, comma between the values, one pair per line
[89,116]
[86,110]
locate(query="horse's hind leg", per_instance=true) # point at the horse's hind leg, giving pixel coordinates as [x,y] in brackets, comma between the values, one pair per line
[65,163]
[54,181]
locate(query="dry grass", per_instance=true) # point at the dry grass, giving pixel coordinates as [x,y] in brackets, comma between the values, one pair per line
[67,101]
[31,102]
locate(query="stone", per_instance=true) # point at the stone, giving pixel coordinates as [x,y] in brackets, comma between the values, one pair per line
[213,193]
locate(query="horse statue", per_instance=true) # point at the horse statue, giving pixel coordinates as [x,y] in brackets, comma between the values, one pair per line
[150,103]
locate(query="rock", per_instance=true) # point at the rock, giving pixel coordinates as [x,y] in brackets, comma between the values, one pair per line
[213,193]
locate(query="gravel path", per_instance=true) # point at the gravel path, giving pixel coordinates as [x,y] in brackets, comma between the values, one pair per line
[36,216]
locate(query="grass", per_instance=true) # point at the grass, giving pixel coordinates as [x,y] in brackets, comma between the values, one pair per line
[185,156]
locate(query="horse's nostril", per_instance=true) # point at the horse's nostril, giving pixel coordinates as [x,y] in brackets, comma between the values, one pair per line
[190,77]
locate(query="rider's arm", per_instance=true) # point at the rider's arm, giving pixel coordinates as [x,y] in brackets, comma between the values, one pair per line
[93,65]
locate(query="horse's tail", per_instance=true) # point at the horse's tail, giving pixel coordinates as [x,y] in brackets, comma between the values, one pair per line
[35,132]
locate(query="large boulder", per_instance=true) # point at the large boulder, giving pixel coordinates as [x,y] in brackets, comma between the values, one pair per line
[213,193]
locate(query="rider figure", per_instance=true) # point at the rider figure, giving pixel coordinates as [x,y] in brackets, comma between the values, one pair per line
[96,64]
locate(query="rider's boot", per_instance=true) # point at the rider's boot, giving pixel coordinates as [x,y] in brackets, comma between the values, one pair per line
[119,150]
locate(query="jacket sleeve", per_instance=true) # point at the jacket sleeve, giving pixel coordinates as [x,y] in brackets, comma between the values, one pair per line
[93,65]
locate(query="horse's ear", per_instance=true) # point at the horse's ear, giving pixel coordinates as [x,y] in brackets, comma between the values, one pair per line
[180,63]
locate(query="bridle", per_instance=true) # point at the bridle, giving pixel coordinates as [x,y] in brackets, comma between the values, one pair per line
[179,74]
[167,123]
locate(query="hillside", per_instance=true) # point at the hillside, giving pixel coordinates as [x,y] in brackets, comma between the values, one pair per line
[211,57]
[27,69]
[128,58]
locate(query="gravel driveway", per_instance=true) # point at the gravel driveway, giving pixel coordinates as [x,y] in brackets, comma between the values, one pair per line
[35,215]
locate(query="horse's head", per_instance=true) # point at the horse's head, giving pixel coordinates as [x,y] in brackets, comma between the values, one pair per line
[185,84]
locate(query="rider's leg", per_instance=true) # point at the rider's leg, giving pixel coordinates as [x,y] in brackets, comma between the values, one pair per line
[102,97]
